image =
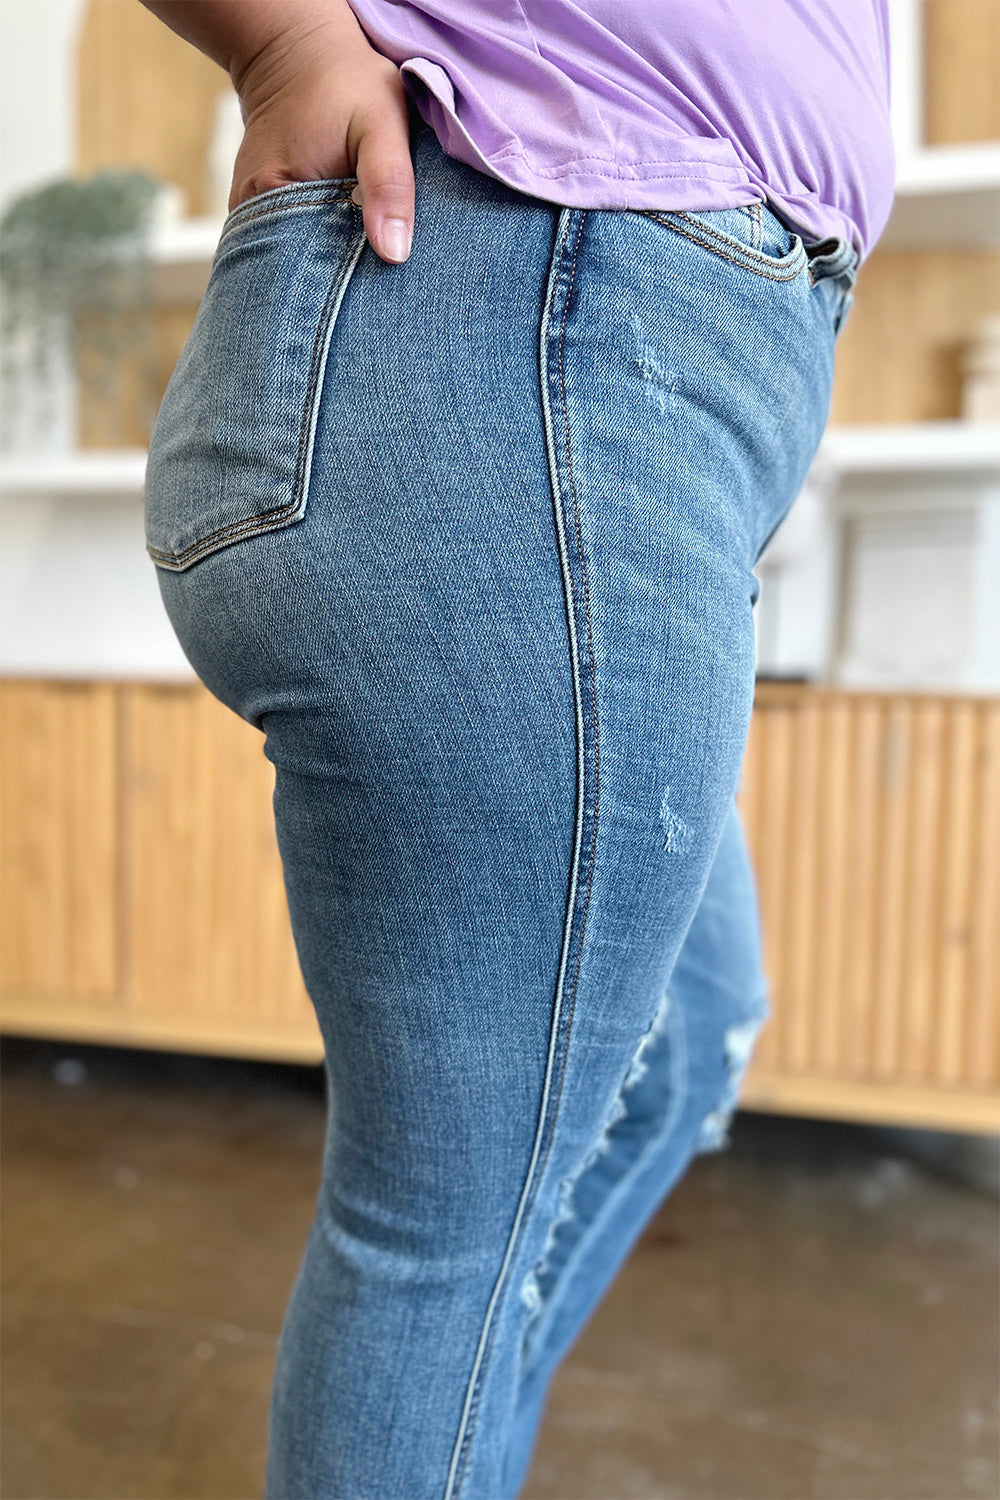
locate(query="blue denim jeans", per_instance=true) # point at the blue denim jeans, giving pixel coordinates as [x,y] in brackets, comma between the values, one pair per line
[471,540]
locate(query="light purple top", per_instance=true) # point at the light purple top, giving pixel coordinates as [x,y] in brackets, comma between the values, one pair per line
[690,104]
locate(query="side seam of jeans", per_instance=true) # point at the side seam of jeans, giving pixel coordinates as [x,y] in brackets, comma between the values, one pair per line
[562,268]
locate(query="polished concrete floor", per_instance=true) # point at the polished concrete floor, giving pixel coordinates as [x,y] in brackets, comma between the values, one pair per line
[812,1314]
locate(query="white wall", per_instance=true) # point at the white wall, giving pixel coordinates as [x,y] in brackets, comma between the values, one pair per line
[37,101]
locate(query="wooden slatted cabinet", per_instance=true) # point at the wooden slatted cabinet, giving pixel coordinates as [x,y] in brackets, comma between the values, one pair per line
[874,823]
[143,904]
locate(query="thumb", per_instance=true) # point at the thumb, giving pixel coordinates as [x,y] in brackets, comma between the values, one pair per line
[385,185]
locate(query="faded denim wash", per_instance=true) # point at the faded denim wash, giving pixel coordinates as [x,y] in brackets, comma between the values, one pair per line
[471,540]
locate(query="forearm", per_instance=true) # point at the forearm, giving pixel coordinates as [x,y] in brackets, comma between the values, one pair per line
[235,33]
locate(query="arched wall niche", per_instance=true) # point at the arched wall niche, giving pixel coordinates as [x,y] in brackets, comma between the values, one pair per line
[145,98]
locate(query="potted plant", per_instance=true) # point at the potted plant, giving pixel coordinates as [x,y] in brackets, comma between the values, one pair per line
[75,275]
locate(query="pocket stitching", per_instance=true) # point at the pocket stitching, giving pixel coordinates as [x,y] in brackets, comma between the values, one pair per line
[731,249]
[282,515]
[254,208]
[268,520]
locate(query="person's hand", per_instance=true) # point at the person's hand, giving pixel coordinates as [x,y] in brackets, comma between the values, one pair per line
[318,102]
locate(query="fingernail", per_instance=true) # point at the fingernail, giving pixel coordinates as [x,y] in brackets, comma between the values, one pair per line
[395,237]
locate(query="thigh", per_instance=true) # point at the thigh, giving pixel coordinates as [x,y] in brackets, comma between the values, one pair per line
[471,540]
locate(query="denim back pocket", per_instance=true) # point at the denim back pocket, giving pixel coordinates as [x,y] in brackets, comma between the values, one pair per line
[231,450]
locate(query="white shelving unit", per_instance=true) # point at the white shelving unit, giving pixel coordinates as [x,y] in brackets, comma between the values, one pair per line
[916,522]
[889,575]
[895,579]
[912,561]
[946,196]
[78,592]
[913,448]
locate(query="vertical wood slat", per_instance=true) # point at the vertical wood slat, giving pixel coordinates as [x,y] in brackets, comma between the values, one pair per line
[914,1061]
[890,927]
[59,838]
[833,830]
[771,846]
[861,882]
[882,917]
[804,917]
[207,909]
[982,1062]
[957,855]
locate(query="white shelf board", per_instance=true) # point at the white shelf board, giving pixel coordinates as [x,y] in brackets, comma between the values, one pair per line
[869,448]
[913,447]
[100,474]
[182,252]
[946,196]
[184,240]
[948,169]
